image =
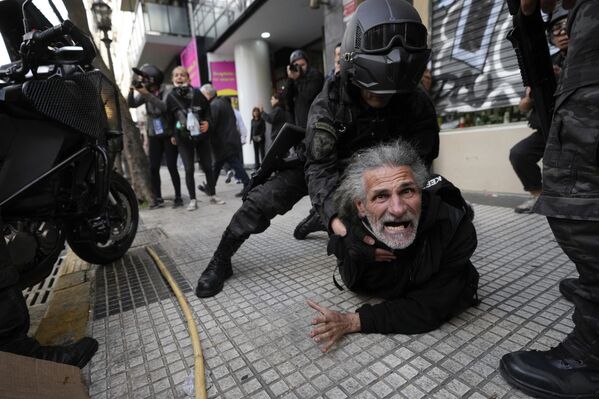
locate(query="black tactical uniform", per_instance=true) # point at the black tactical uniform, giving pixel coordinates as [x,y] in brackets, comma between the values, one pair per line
[570,200]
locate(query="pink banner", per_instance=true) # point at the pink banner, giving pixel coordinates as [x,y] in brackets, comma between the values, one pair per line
[223,77]
[189,59]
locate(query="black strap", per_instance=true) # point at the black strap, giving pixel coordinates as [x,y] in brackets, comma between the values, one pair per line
[339,287]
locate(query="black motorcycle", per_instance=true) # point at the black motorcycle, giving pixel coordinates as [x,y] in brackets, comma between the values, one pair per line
[60,129]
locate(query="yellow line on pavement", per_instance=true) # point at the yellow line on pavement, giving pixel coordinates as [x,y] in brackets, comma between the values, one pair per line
[200,379]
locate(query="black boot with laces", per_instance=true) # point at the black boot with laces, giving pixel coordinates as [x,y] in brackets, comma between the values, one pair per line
[219,268]
[309,225]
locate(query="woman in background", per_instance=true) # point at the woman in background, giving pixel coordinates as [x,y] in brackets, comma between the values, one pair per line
[258,136]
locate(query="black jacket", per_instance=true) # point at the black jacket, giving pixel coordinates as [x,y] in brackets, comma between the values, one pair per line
[339,125]
[178,106]
[277,118]
[300,93]
[223,129]
[156,108]
[430,281]
[258,130]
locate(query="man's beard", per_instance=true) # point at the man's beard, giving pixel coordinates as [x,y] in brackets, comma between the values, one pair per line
[394,232]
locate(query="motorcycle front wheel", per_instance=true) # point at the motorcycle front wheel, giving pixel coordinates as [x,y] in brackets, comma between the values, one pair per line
[123,217]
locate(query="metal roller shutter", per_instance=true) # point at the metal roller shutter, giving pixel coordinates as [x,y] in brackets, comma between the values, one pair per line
[474,67]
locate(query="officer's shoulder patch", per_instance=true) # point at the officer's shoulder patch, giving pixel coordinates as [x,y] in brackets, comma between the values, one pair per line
[324,141]
[326,127]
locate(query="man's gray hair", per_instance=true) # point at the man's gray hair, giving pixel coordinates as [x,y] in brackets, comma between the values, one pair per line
[393,154]
[208,89]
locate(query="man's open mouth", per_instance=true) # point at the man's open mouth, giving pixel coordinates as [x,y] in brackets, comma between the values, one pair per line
[395,227]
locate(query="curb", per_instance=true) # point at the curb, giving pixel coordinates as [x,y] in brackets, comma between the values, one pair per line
[66,318]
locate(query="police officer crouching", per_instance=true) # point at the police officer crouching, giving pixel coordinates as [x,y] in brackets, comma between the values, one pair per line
[343,119]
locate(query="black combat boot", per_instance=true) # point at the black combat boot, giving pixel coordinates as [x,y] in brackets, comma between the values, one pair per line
[309,225]
[219,268]
[556,373]
[76,354]
[567,287]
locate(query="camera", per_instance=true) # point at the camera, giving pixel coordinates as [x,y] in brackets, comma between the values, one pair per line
[141,79]
[138,84]
[295,68]
[182,91]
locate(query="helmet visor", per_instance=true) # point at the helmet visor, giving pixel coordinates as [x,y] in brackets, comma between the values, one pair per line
[381,38]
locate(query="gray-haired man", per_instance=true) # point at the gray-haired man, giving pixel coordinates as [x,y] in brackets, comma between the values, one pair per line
[409,240]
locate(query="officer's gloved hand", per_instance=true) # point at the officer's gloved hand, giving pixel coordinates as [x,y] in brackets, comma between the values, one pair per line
[352,244]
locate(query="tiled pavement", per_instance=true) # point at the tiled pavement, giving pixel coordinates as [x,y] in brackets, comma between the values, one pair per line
[255,333]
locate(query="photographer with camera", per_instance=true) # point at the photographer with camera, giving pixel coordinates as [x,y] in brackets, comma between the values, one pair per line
[191,113]
[302,86]
[147,82]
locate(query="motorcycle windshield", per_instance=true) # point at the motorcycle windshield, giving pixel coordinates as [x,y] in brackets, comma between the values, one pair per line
[40,16]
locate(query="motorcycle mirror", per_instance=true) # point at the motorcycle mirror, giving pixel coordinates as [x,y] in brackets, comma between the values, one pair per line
[67,54]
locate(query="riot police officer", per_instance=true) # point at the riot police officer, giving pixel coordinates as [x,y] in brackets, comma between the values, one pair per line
[376,98]
[395,108]
[570,201]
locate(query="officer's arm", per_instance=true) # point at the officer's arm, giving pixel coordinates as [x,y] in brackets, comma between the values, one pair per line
[431,304]
[322,174]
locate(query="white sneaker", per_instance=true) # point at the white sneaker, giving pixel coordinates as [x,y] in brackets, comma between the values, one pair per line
[216,200]
[193,205]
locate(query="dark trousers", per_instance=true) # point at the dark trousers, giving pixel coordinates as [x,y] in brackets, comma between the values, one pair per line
[258,153]
[579,239]
[201,147]
[160,146]
[275,197]
[524,157]
[235,164]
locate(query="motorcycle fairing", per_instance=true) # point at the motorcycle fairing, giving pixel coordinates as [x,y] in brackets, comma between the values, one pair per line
[29,148]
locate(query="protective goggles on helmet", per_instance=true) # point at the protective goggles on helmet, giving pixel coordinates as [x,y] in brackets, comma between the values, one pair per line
[411,36]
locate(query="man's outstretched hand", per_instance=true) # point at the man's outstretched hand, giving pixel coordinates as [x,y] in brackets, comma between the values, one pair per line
[331,326]
[529,6]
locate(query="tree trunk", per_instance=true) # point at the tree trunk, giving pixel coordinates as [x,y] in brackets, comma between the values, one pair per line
[135,157]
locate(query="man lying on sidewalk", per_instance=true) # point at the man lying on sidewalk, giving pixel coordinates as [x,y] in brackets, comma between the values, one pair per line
[408,241]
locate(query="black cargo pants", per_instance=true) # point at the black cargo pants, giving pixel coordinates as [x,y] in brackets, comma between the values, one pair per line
[275,197]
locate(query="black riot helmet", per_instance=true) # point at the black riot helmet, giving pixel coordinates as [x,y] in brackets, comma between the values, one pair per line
[384,48]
